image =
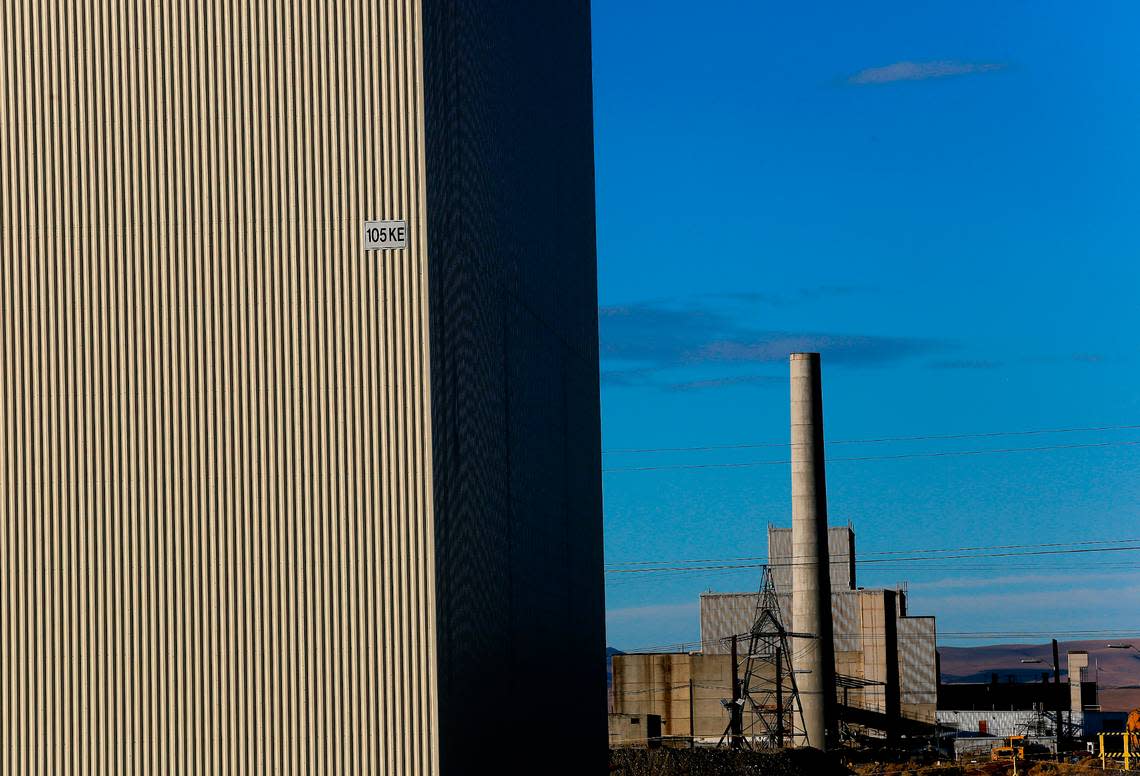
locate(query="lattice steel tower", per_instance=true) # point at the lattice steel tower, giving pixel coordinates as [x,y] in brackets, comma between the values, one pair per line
[765,703]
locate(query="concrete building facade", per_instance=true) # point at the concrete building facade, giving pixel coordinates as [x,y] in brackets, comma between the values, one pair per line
[641,730]
[684,689]
[1080,681]
[269,501]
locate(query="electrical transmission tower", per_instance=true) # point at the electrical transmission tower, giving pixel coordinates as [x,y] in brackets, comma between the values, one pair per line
[765,699]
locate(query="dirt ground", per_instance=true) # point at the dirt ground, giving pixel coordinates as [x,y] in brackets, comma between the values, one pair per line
[810,762]
[1085,767]
[724,762]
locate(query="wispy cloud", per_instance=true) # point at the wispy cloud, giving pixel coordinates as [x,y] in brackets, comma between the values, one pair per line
[965,363]
[641,342]
[774,346]
[987,364]
[1037,579]
[1063,358]
[799,296]
[637,628]
[628,378]
[653,612]
[1123,598]
[921,71]
[724,382]
[651,377]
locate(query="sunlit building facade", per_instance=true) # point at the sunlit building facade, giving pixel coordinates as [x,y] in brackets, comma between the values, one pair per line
[275,499]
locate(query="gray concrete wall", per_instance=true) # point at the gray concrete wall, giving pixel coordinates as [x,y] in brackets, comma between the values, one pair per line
[1078,664]
[633,729]
[880,650]
[658,683]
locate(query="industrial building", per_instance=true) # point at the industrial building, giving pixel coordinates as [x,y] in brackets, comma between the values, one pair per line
[876,639]
[635,730]
[972,714]
[299,413]
[885,659]
[684,689]
[841,652]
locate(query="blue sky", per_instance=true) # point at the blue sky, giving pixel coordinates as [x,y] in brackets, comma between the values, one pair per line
[943,200]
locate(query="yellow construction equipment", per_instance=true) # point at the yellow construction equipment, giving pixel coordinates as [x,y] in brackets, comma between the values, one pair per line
[1012,747]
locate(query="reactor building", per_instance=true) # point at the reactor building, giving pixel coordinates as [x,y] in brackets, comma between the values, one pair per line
[885,659]
[854,655]
[299,414]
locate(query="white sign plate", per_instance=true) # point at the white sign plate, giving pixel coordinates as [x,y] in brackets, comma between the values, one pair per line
[385,235]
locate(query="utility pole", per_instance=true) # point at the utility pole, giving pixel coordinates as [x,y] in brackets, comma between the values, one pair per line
[692,719]
[779,698]
[735,717]
[1057,695]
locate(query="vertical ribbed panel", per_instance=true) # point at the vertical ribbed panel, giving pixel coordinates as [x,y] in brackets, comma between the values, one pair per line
[215,481]
[918,680]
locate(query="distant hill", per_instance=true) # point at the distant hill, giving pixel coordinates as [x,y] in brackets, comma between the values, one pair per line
[1118,670]
[1118,674]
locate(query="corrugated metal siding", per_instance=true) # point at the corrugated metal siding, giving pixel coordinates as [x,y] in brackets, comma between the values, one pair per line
[847,614]
[214,479]
[780,557]
[999,723]
[840,550]
[918,680]
[725,614]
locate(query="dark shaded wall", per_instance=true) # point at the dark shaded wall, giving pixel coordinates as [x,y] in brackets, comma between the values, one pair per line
[515,407]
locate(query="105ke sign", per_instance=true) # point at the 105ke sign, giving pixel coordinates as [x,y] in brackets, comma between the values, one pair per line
[384,235]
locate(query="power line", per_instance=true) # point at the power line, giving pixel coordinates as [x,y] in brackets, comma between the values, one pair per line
[1095,634]
[1039,568]
[843,558]
[871,440]
[900,456]
[1033,553]
[704,574]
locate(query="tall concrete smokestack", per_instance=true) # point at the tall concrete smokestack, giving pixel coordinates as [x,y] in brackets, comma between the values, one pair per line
[811,569]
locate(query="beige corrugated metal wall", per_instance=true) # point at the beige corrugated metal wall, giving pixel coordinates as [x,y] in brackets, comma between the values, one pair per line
[215,486]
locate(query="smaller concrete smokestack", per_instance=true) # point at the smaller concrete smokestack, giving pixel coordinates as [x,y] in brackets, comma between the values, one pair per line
[811,566]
